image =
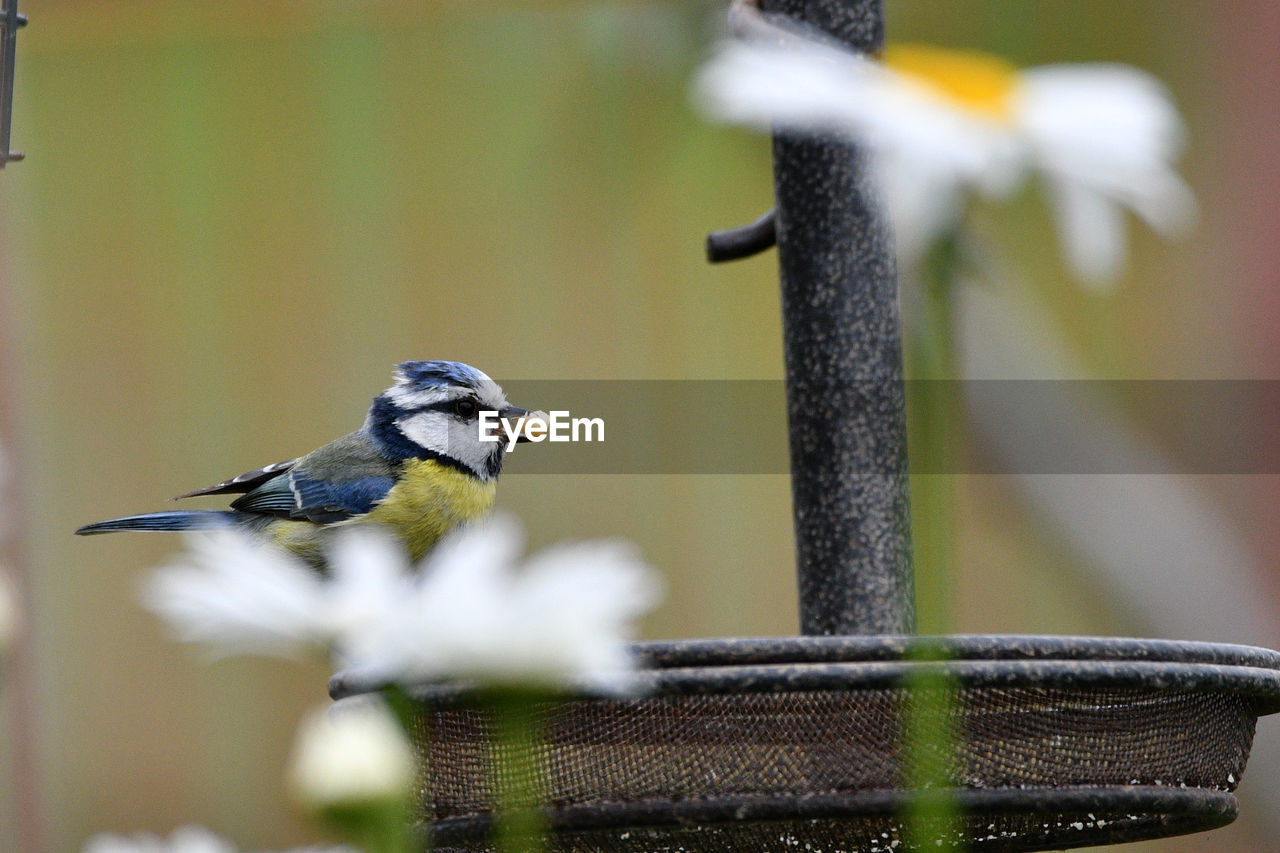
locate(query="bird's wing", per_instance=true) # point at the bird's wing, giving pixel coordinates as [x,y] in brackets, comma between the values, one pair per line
[298,496]
[244,482]
[345,478]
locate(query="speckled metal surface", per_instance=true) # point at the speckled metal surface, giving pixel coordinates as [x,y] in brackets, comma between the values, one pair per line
[737,651]
[843,348]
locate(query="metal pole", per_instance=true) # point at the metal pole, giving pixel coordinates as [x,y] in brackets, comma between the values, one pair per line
[10,21]
[843,347]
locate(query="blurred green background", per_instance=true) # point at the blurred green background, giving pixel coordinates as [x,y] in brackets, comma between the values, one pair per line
[235,217]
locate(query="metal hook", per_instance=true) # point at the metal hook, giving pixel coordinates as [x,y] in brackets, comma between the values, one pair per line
[743,241]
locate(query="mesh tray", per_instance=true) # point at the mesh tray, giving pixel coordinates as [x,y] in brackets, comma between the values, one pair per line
[786,744]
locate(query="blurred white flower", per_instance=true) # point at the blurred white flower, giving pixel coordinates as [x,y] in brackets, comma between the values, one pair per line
[236,595]
[185,839]
[562,618]
[10,613]
[351,755]
[1105,135]
[10,620]
[5,519]
[469,611]
[942,124]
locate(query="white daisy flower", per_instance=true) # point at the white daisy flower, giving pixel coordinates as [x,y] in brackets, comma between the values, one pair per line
[234,594]
[942,124]
[563,618]
[185,839]
[351,755]
[470,611]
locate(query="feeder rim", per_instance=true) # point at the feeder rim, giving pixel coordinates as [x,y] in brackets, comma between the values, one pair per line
[1261,685]
[1208,808]
[888,647]
[781,664]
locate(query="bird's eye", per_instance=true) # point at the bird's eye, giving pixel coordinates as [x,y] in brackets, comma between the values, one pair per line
[464,408]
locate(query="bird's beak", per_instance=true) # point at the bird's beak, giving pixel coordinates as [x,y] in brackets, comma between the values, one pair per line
[521,418]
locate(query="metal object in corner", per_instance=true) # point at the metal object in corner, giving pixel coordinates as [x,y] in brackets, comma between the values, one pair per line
[10,23]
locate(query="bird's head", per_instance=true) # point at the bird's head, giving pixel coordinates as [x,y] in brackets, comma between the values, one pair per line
[433,411]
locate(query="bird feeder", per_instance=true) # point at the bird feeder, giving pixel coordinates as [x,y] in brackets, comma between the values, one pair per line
[807,743]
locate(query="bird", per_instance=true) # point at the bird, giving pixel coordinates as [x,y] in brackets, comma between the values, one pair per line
[418,466]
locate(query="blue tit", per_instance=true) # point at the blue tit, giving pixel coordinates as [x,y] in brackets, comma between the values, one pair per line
[418,466]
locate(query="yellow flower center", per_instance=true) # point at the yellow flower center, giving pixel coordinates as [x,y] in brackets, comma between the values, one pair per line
[974,81]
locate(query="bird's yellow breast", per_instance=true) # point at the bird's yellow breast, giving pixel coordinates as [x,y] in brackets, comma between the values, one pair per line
[428,500]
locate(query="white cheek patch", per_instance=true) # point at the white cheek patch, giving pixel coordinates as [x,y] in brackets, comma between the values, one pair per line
[466,447]
[429,430]
[447,436]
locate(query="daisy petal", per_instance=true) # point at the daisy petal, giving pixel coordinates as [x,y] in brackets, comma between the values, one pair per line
[238,595]
[924,203]
[370,578]
[1093,232]
[1112,129]
[562,619]
[813,89]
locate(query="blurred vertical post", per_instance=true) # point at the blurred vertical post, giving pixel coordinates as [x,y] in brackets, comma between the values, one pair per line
[20,670]
[10,21]
[843,348]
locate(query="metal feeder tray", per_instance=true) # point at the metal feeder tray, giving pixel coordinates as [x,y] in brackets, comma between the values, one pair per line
[787,744]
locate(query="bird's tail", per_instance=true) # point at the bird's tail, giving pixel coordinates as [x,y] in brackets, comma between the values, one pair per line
[181,519]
